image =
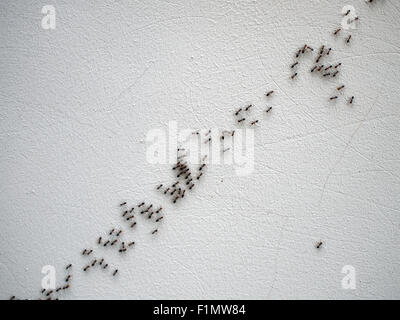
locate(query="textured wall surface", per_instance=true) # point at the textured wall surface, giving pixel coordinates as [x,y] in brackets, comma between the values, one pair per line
[77,102]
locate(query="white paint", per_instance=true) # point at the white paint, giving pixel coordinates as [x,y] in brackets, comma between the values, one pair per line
[77,102]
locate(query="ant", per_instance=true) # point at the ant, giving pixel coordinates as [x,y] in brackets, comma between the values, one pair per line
[158,219]
[198,177]
[268,110]
[238,111]
[155,231]
[240,120]
[319,244]
[122,204]
[313,69]
[351,100]
[111,232]
[333,98]
[248,107]
[253,122]
[99,241]
[294,64]
[348,39]
[337,31]
[68,266]
[270,92]
[294,76]
[340,88]
[141,204]
[115,272]
[158,188]
[133,224]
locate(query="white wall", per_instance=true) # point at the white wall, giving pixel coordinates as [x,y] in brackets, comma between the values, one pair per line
[77,102]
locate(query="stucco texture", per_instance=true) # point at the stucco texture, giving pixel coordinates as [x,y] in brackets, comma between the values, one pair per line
[77,102]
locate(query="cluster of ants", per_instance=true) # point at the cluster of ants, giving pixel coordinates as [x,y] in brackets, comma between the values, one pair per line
[239,112]
[54,294]
[325,70]
[113,237]
[186,181]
